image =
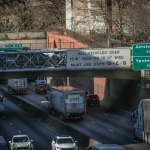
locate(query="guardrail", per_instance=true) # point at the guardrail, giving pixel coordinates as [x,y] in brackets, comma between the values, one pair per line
[32,59]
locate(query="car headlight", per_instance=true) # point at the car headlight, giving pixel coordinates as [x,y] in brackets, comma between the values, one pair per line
[15,145]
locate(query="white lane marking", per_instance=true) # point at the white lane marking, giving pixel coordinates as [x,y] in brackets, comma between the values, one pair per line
[19,131]
[106,114]
[110,130]
[133,140]
[32,117]
[4,117]
[44,101]
[10,124]
[48,127]
[123,120]
[92,121]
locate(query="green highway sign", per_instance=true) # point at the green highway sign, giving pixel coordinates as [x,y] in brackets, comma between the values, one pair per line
[141,56]
[11,47]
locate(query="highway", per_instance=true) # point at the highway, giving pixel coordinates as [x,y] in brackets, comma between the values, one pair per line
[106,127]
[14,121]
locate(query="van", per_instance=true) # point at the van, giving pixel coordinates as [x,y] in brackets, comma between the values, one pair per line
[3,144]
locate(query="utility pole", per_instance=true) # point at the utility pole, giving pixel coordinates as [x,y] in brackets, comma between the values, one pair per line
[89,13]
[68,81]
[108,19]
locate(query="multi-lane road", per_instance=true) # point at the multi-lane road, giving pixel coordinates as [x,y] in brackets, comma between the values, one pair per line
[14,121]
[107,127]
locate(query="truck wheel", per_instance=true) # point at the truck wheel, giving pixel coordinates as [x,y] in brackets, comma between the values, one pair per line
[62,117]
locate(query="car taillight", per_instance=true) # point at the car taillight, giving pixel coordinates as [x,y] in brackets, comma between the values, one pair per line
[90,98]
[97,98]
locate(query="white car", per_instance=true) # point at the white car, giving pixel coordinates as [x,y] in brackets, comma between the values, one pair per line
[64,143]
[20,142]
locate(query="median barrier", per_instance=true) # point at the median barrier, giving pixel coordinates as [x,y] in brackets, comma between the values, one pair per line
[50,121]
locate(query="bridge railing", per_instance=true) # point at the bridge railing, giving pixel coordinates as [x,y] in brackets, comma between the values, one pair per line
[32,59]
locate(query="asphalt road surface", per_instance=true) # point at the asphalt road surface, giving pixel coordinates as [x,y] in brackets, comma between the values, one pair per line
[113,127]
[14,121]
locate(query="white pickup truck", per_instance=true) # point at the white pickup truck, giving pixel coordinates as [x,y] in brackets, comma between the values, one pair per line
[20,142]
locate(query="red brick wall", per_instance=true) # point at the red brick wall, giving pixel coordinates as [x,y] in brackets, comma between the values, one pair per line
[99,87]
[63,42]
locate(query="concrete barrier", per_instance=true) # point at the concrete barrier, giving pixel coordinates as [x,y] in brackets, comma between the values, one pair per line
[52,122]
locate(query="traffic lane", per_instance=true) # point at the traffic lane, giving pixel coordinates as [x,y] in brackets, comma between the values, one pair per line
[116,118]
[115,112]
[77,125]
[109,126]
[21,124]
[102,129]
[37,100]
[118,123]
[6,129]
[31,98]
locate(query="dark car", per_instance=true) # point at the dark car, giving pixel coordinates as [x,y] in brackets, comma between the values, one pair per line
[93,99]
[1,97]
[41,88]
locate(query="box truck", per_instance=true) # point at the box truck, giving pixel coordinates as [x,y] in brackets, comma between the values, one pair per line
[141,119]
[17,86]
[68,102]
[42,84]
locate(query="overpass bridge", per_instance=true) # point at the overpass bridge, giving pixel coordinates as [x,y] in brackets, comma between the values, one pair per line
[109,63]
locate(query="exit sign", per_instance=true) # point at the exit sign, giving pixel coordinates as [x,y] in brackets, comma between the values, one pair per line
[141,56]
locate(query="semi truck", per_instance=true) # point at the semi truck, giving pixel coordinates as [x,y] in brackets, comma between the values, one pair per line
[141,119]
[17,86]
[66,101]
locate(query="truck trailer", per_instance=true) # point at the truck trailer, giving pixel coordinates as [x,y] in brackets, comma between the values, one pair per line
[68,102]
[17,86]
[141,119]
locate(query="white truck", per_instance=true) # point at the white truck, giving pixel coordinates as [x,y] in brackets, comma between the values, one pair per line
[17,86]
[68,102]
[141,119]
[43,80]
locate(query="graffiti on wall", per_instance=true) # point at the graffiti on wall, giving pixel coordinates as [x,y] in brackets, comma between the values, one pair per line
[83,26]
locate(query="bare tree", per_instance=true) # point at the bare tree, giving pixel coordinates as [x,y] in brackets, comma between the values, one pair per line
[50,13]
[137,22]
